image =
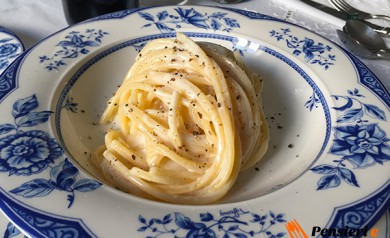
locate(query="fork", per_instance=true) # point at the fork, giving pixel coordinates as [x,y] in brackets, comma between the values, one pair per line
[342,5]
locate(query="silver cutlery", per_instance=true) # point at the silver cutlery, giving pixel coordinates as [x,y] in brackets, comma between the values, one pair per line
[358,49]
[342,5]
[367,37]
[363,41]
[385,31]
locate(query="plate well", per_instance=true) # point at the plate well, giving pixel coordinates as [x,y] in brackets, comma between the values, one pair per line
[286,91]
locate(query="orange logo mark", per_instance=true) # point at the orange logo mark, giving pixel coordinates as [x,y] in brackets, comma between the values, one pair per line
[374,232]
[295,230]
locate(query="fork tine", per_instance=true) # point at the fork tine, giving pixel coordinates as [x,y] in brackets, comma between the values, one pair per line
[336,4]
[345,6]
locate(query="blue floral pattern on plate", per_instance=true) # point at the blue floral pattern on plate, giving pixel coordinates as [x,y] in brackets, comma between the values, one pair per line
[27,152]
[358,141]
[75,43]
[63,177]
[166,22]
[10,48]
[8,52]
[313,53]
[312,102]
[228,224]
[32,151]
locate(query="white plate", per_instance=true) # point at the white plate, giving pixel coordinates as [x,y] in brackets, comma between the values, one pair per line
[10,48]
[327,164]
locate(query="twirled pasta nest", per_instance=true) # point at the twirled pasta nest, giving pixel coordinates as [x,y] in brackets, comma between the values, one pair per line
[185,121]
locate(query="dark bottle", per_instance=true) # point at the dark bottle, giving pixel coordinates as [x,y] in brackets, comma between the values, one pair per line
[80,10]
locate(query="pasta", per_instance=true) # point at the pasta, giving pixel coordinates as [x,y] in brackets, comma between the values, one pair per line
[185,121]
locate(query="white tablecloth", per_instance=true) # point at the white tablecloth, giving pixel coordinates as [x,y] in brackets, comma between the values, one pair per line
[32,21]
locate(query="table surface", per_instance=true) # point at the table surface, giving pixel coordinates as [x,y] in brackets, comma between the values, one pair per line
[48,17]
[33,21]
